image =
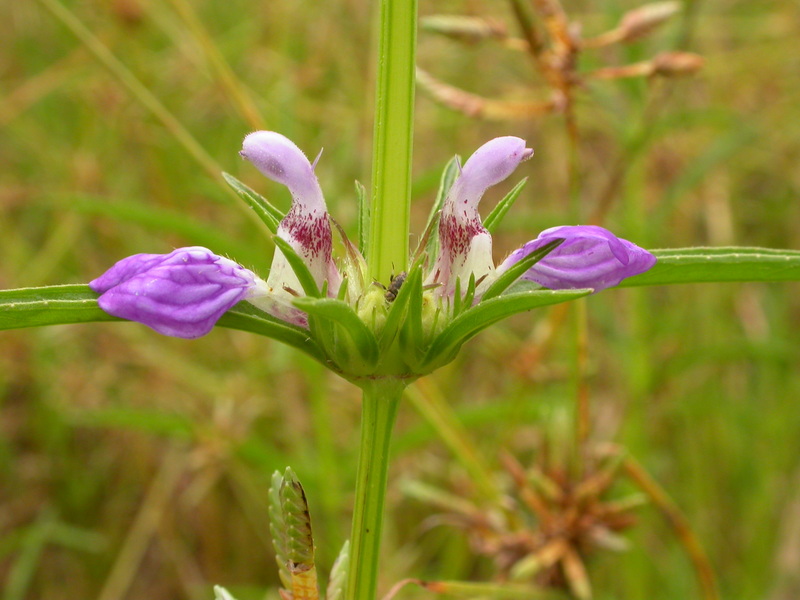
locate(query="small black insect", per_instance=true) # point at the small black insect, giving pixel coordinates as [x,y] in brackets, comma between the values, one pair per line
[395,282]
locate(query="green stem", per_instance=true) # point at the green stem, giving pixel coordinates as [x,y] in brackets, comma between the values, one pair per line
[392,144]
[380,400]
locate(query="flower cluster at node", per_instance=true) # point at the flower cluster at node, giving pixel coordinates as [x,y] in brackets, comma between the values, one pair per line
[184,293]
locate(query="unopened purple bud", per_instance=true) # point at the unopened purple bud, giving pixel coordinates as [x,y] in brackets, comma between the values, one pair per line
[181,294]
[589,257]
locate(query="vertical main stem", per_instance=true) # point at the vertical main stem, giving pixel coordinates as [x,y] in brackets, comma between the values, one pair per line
[392,144]
[380,400]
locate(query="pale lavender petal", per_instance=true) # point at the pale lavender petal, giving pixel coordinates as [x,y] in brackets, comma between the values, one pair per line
[306,226]
[181,294]
[466,245]
[279,158]
[589,257]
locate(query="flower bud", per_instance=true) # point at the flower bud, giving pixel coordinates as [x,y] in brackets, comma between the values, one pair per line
[589,257]
[182,294]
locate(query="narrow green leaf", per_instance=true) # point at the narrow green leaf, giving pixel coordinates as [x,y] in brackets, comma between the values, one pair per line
[338,577]
[76,303]
[336,311]
[488,312]
[709,265]
[363,217]
[299,267]
[277,529]
[516,270]
[264,209]
[52,305]
[498,212]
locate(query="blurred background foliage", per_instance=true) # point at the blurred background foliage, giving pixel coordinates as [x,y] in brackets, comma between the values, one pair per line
[133,465]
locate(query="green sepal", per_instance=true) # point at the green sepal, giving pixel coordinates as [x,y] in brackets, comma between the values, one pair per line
[706,265]
[499,211]
[515,271]
[338,322]
[338,577]
[462,303]
[443,349]
[264,209]
[450,173]
[363,217]
[297,520]
[299,267]
[277,530]
[397,310]
[412,333]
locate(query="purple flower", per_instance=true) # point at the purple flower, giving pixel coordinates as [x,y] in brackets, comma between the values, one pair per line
[181,294]
[466,246]
[589,257]
[306,226]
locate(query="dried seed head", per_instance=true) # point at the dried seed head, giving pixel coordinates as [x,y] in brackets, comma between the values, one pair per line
[673,64]
[644,20]
[466,29]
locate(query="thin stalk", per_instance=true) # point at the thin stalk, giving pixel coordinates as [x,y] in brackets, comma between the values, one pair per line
[392,143]
[380,400]
[706,579]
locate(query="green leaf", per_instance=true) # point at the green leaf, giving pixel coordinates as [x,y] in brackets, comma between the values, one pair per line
[516,270]
[711,265]
[52,305]
[264,209]
[338,576]
[498,212]
[299,267]
[488,312]
[76,303]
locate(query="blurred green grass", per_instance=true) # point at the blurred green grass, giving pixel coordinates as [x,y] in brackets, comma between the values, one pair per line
[136,466]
